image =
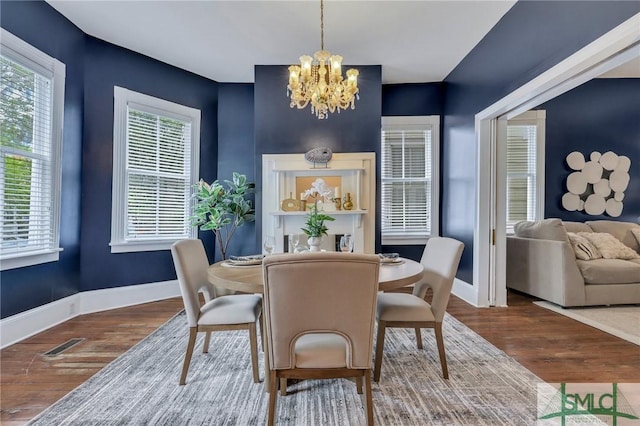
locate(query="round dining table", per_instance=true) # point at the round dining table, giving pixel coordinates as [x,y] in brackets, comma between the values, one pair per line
[248,278]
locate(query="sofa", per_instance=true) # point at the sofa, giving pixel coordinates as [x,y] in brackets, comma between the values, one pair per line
[575,263]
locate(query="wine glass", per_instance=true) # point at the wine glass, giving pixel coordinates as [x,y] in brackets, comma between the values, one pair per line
[295,241]
[346,243]
[268,244]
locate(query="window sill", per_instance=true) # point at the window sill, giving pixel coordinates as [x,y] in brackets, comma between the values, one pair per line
[29,259]
[405,240]
[130,247]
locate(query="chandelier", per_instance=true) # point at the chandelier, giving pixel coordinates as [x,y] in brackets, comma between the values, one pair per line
[320,81]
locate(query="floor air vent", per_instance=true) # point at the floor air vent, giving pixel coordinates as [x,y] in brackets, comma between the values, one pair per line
[63,347]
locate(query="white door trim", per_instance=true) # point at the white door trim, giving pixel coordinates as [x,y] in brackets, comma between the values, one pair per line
[607,52]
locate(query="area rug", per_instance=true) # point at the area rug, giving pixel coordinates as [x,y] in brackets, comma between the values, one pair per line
[486,386]
[620,321]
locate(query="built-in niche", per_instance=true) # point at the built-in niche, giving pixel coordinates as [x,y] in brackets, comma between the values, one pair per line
[285,178]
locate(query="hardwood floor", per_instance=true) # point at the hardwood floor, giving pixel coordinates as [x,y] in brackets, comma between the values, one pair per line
[30,382]
[554,347]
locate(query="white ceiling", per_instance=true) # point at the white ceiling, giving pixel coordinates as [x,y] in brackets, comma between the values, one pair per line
[414,41]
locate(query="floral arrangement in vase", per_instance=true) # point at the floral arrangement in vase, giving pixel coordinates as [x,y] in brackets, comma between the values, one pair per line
[315,221]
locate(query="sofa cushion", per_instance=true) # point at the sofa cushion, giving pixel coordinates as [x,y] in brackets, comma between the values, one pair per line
[583,248]
[620,230]
[576,227]
[609,246]
[546,229]
[609,271]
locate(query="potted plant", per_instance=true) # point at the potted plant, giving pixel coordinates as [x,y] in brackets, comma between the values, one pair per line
[223,209]
[315,227]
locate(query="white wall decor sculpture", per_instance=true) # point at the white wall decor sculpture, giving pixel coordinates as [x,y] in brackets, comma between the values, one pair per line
[597,186]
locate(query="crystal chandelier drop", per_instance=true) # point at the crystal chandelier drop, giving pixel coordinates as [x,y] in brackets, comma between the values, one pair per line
[320,82]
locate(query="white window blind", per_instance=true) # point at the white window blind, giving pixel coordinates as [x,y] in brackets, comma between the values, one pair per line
[30,133]
[154,198]
[524,163]
[409,179]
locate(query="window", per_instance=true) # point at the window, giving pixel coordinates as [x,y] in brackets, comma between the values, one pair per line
[31,114]
[525,168]
[155,167]
[409,179]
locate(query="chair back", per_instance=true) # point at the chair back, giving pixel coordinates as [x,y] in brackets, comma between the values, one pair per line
[191,263]
[320,293]
[440,259]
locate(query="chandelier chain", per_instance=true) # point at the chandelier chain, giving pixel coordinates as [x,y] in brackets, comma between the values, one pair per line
[321,24]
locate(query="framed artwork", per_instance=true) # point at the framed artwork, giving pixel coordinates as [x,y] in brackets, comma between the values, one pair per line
[305,183]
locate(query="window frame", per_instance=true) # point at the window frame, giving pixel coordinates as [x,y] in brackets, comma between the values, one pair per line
[532,118]
[30,57]
[425,122]
[122,99]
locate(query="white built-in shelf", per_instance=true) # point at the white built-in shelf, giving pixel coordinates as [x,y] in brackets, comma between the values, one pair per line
[357,176]
[330,213]
[319,169]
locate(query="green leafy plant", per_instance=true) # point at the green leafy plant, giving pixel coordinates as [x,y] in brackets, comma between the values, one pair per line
[223,209]
[315,222]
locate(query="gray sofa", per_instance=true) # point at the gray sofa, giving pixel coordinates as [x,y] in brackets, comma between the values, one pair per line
[541,261]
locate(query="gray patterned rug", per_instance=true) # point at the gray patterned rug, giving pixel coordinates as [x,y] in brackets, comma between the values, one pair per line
[486,387]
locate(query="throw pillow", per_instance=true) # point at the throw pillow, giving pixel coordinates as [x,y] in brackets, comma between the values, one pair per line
[609,246]
[582,247]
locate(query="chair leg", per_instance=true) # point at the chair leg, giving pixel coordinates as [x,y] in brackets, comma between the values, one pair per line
[262,336]
[253,340]
[443,357]
[283,386]
[207,339]
[368,398]
[193,332]
[419,337]
[379,347]
[273,395]
[359,385]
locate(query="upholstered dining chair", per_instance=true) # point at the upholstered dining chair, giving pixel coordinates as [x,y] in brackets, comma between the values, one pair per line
[440,259]
[232,312]
[320,316]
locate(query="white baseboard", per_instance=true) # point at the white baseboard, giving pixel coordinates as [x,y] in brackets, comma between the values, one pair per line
[25,324]
[465,291]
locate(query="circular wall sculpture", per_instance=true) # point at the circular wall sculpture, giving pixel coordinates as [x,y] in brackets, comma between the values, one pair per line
[597,186]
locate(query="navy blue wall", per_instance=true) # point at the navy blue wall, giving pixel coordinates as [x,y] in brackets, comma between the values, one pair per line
[280,129]
[601,115]
[106,66]
[531,38]
[93,67]
[236,151]
[25,288]
[412,100]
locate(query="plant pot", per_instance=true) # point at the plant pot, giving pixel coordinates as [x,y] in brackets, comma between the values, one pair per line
[314,243]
